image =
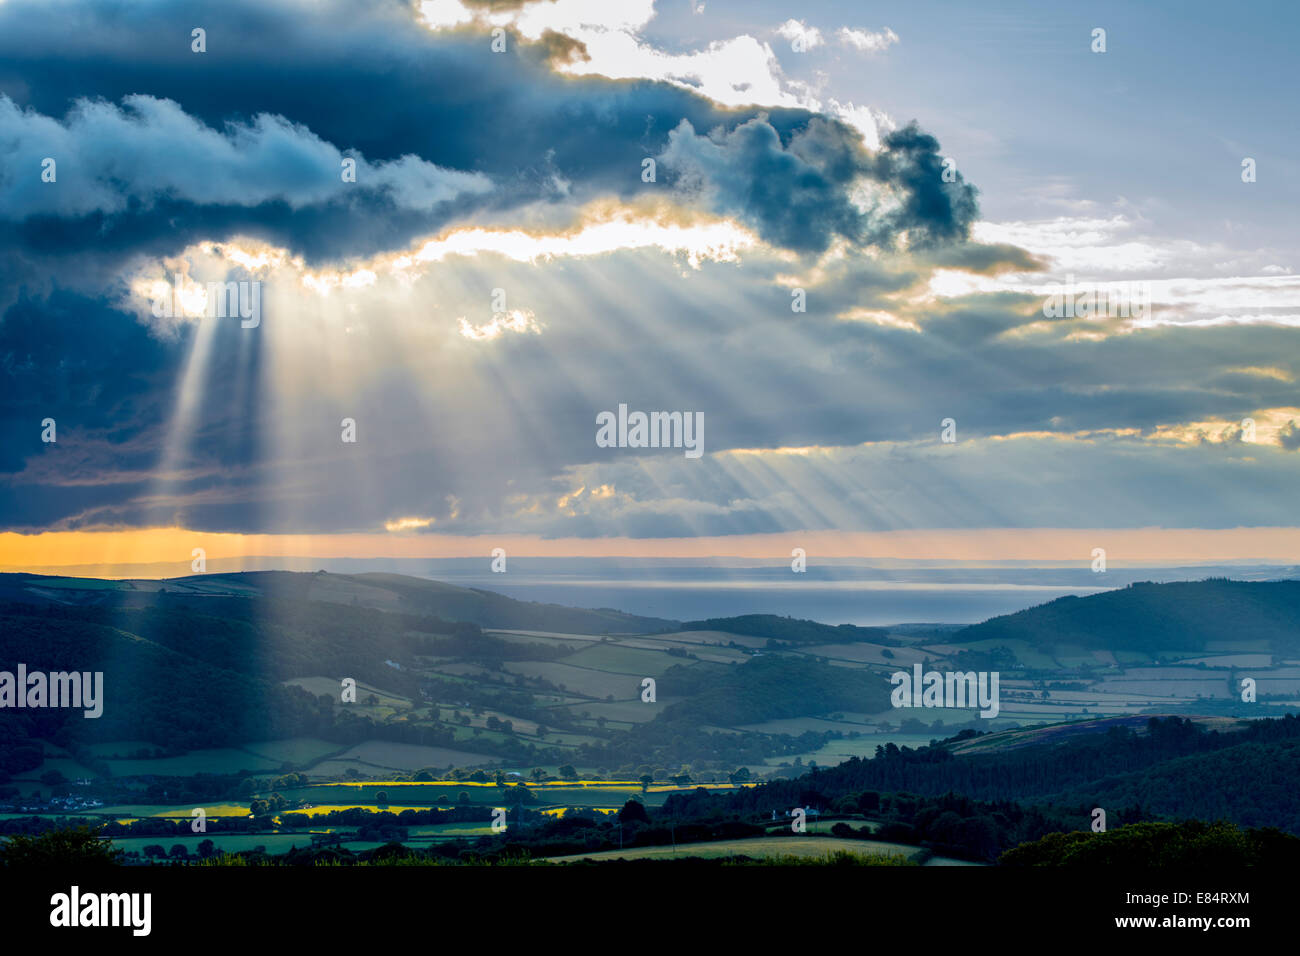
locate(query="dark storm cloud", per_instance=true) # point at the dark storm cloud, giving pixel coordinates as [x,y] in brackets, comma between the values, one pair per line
[803,190]
[102,379]
[985,259]
[368,80]
[933,211]
[1289,436]
[110,386]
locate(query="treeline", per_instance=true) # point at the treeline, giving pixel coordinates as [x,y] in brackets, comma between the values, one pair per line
[791,629]
[948,824]
[540,836]
[1191,843]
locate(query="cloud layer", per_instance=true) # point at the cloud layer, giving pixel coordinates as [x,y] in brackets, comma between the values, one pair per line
[504,269]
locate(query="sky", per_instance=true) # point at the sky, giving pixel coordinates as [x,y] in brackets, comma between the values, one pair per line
[931,280]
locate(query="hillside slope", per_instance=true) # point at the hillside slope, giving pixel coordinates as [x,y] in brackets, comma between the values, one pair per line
[386,592]
[1184,615]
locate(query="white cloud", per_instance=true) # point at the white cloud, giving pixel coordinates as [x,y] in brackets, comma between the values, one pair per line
[866,41]
[519,321]
[801,36]
[739,71]
[867,120]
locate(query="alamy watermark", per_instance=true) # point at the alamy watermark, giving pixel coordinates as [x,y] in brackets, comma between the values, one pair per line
[56,689]
[652,430]
[953,689]
[78,909]
[214,300]
[1116,300]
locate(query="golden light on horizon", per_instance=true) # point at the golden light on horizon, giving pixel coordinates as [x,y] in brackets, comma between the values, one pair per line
[1129,546]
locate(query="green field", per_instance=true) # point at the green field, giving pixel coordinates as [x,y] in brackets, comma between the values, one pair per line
[1026,653]
[624,660]
[627,711]
[122,748]
[808,847]
[379,755]
[65,765]
[81,584]
[838,751]
[298,751]
[221,760]
[580,680]
[233,843]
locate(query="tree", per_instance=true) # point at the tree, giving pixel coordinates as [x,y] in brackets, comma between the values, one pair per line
[738,776]
[633,812]
[154,850]
[53,778]
[207,848]
[519,794]
[178,851]
[381,798]
[80,847]
[538,774]
[568,773]
[646,779]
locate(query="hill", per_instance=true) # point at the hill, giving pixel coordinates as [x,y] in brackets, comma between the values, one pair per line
[387,592]
[1182,616]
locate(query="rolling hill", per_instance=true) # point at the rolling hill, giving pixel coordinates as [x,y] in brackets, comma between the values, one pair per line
[1183,615]
[385,592]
